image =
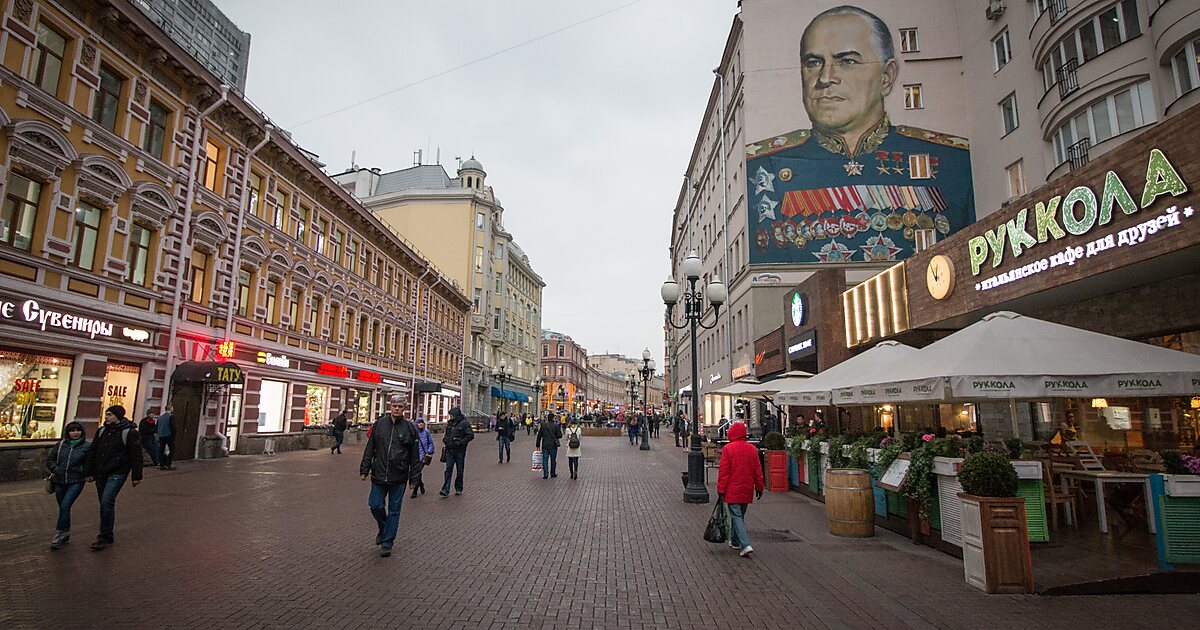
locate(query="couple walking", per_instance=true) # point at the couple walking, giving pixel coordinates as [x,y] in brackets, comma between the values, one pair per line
[549,434]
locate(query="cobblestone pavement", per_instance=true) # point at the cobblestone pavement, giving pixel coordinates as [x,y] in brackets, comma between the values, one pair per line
[286,542]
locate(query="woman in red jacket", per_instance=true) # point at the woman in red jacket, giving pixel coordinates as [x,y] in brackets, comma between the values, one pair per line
[739,482]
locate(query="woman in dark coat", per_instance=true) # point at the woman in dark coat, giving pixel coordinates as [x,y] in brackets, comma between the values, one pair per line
[65,463]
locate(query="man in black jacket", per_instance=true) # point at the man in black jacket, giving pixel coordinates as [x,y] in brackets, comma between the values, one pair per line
[391,452]
[458,435]
[116,452]
[549,433]
[340,424]
[504,436]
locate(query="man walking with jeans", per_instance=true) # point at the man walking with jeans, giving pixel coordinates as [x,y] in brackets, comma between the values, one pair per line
[116,452]
[392,451]
[504,435]
[549,434]
[739,482]
[458,435]
[166,438]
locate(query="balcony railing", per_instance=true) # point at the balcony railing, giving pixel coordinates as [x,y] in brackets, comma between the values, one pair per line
[1068,78]
[1077,154]
[1058,9]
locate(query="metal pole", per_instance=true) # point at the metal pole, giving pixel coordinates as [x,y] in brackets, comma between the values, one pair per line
[696,491]
[645,416]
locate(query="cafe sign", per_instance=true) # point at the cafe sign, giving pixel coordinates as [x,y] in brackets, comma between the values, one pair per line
[1081,211]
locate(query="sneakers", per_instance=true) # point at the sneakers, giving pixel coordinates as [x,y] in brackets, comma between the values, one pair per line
[733,546]
[414,494]
[746,551]
[457,492]
[101,544]
[60,539]
[385,551]
[444,493]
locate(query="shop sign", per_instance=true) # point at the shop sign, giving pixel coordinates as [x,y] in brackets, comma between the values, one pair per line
[1078,213]
[798,309]
[229,374]
[30,312]
[274,360]
[803,345]
[713,378]
[330,369]
[367,376]
[226,349]
[743,370]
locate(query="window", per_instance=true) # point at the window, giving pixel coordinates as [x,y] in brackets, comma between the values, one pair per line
[351,254]
[302,224]
[87,230]
[496,320]
[562,350]
[212,156]
[499,284]
[1185,65]
[139,254]
[1016,179]
[108,98]
[1008,113]
[272,312]
[908,40]
[156,130]
[918,166]
[45,67]
[272,401]
[335,246]
[1003,50]
[479,220]
[335,321]
[322,228]
[20,211]
[362,333]
[1115,114]
[243,293]
[478,298]
[479,258]
[294,309]
[314,315]
[912,97]
[1118,24]
[199,269]
[281,210]
[255,200]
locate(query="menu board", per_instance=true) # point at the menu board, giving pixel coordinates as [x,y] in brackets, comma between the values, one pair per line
[893,478]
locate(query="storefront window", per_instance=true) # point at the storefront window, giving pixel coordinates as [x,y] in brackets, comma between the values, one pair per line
[120,388]
[362,406]
[33,396]
[316,405]
[271,405]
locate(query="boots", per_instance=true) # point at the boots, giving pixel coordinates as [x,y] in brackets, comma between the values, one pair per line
[414,492]
[60,539]
[422,487]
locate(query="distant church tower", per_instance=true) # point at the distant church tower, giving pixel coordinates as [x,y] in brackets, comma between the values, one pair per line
[471,174]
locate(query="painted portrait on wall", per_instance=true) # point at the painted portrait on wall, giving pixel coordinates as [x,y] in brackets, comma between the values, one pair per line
[856,186]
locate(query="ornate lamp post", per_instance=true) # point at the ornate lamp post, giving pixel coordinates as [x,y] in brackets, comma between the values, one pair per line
[647,373]
[502,373]
[694,311]
[538,386]
[631,387]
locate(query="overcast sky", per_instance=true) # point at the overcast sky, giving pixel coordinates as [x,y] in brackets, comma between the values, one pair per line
[585,133]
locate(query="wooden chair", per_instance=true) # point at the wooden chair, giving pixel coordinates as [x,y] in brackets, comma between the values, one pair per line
[1055,497]
[1084,455]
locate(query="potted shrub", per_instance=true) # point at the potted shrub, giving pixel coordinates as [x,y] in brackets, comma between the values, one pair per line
[995,535]
[849,499]
[777,466]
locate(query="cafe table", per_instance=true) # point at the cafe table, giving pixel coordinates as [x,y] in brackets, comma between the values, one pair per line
[1101,477]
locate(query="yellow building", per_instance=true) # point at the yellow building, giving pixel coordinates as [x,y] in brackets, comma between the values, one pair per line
[459,223]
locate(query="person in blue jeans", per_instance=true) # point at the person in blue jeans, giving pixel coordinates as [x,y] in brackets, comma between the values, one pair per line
[549,433]
[65,463]
[504,436]
[392,451]
[115,455]
[454,445]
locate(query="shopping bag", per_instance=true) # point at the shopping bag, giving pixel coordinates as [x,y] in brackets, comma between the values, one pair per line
[717,530]
[537,460]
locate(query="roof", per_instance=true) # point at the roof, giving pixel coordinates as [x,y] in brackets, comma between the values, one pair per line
[425,176]
[471,164]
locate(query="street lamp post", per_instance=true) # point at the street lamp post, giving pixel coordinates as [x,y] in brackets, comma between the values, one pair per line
[647,373]
[538,386]
[502,373]
[694,311]
[631,387]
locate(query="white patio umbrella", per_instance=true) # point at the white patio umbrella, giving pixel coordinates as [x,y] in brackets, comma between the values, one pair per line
[1009,356]
[816,390]
[762,391]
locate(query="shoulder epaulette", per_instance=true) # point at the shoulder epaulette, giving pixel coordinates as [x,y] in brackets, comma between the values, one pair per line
[778,143]
[936,137]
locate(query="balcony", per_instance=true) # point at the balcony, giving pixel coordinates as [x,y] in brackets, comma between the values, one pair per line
[1077,154]
[1068,78]
[1057,9]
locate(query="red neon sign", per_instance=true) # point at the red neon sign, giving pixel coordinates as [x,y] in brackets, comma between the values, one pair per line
[329,369]
[369,377]
[225,349]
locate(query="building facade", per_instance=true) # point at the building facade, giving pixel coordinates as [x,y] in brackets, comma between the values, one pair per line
[564,373]
[1052,83]
[620,366]
[161,241]
[459,222]
[206,33]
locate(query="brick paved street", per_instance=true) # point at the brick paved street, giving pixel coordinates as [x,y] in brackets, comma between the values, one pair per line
[253,542]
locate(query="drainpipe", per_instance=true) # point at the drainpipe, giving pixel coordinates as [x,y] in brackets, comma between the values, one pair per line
[428,325]
[724,159]
[241,219]
[416,355]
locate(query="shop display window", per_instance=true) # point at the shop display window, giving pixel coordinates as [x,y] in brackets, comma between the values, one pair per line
[316,405]
[120,388]
[33,396]
[272,402]
[362,406]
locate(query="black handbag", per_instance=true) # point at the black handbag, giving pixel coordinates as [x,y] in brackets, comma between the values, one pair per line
[427,460]
[716,531]
[443,457]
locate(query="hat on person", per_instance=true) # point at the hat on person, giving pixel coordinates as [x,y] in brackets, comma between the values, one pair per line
[116,410]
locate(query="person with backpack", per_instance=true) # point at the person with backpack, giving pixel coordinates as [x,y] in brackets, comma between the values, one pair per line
[454,448]
[166,438]
[549,433]
[65,463]
[573,451]
[739,482]
[504,435]
[116,453]
[425,442]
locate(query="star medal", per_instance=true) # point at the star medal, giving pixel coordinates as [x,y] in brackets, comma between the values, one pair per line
[853,168]
[942,223]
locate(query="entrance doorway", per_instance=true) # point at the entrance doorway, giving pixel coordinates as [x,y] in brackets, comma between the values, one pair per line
[233,419]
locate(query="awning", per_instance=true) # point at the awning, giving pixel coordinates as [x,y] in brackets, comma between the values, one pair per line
[208,372]
[815,391]
[508,394]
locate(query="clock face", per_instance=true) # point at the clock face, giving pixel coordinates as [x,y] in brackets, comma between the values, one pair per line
[797,309]
[939,277]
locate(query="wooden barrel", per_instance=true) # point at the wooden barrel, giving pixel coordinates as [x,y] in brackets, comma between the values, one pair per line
[849,503]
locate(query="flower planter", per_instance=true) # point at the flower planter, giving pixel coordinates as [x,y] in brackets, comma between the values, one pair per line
[1177,518]
[995,540]
[777,471]
[793,472]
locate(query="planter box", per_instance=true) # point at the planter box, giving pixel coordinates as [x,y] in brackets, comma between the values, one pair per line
[1034,493]
[947,466]
[793,472]
[1181,485]
[1027,469]
[948,490]
[1177,519]
[996,544]
[777,471]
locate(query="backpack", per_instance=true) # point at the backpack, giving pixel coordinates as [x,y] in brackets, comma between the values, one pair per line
[573,442]
[124,435]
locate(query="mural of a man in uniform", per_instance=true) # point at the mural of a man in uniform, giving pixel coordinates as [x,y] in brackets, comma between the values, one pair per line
[895,186]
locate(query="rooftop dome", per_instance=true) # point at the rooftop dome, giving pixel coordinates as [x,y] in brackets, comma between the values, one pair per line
[471,165]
